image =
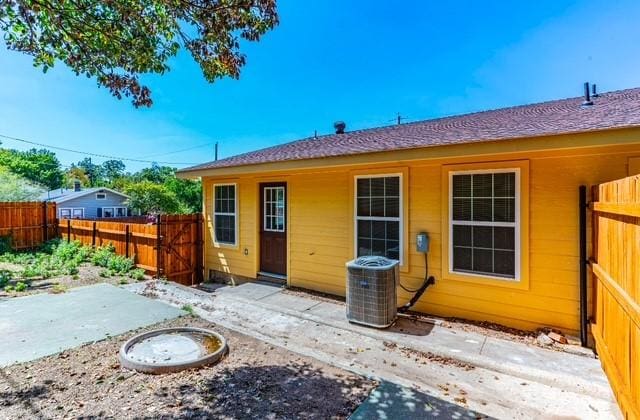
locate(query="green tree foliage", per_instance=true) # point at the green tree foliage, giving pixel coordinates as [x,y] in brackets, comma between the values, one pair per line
[188,192]
[38,166]
[112,170]
[150,198]
[75,173]
[117,41]
[16,188]
[92,171]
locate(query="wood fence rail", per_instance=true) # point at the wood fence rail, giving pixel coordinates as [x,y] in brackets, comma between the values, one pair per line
[615,265]
[170,246]
[28,224]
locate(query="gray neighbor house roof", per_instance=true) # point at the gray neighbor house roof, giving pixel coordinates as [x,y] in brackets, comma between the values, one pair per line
[612,110]
[61,195]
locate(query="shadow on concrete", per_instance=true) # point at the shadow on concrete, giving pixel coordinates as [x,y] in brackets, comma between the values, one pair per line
[411,327]
[391,401]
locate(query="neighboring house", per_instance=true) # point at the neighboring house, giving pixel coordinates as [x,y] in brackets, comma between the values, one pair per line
[496,191]
[78,203]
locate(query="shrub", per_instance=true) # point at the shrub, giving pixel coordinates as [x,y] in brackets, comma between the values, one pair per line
[137,274]
[5,277]
[104,273]
[21,287]
[8,288]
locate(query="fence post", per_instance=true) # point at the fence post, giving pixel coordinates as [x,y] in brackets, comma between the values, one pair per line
[45,220]
[68,230]
[158,246]
[93,235]
[199,253]
[126,241]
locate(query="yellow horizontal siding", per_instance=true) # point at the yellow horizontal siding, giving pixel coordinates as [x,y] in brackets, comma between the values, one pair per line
[320,235]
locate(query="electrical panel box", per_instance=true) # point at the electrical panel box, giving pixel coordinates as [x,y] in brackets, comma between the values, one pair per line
[422,242]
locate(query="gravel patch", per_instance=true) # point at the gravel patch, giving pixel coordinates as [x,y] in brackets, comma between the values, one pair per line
[255,380]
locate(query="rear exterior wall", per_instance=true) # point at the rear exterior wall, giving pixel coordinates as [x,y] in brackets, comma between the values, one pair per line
[320,226]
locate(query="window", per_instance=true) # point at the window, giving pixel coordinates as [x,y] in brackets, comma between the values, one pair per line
[378,216]
[107,212]
[224,213]
[101,196]
[113,212]
[72,213]
[484,223]
[274,202]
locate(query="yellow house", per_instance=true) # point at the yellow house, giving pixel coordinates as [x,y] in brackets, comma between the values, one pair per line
[496,192]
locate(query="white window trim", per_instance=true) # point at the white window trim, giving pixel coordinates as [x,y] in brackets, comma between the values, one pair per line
[235,214]
[71,209]
[516,225]
[399,219]
[114,209]
[284,209]
[104,194]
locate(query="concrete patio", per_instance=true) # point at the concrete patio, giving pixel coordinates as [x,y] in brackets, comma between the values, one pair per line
[481,373]
[36,326]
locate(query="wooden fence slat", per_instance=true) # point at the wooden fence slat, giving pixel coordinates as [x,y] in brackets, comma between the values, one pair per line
[615,265]
[28,224]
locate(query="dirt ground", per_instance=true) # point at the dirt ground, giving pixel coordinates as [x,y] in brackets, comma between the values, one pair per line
[88,274]
[255,380]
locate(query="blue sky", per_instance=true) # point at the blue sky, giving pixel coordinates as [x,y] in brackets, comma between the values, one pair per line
[359,61]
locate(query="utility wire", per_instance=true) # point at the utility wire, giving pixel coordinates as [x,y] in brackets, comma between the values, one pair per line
[177,151]
[93,154]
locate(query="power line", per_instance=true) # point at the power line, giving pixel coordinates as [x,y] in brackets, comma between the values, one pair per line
[177,151]
[93,154]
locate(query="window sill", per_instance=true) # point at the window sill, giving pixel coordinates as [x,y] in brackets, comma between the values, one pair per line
[225,245]
[486,280]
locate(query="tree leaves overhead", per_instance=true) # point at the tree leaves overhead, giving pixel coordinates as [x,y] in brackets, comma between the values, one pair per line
[116,41]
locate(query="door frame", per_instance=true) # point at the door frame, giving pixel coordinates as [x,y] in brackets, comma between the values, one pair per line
[260,226]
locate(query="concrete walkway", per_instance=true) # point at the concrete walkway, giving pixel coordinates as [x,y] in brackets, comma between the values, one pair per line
[39,325]
[496,377]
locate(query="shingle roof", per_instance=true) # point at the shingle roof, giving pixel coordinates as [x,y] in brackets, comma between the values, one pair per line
[61,194]
[610,110]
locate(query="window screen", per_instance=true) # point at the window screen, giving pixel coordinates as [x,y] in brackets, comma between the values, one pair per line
[378,220]
[65,213]
[107,212]
[484,223]
[225,213]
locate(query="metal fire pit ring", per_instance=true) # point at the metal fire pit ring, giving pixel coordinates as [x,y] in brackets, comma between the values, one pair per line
[172,350]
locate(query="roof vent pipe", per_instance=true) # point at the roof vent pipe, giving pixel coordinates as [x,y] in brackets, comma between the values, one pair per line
[594,93]
[76,185]
[587,96]
[339,126]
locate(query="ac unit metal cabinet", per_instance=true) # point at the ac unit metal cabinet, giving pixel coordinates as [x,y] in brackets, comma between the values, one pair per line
[371,291]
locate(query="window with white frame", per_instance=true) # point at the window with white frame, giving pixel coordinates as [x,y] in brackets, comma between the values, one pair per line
[71,213]
[114,211]
[224,213]
[274,205]
[378,227]
[101,196]
[485,223]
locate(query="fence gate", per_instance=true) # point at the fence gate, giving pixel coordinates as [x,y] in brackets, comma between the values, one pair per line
[180,251]
[615,265]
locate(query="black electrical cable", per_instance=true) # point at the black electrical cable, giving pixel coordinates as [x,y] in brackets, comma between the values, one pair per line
[428,281]
[426,276]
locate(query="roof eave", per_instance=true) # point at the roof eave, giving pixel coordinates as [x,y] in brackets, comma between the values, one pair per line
[572,140]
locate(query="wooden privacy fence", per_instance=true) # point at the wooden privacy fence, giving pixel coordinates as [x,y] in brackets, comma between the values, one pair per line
[28,224]
[170,246]
[616,272]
